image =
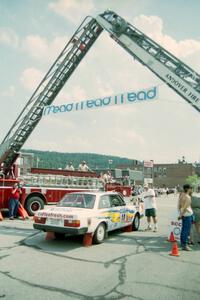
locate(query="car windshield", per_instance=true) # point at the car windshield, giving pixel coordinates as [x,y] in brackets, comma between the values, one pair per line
[78,200]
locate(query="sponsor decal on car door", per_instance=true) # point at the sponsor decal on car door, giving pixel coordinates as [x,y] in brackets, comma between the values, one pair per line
[119,211]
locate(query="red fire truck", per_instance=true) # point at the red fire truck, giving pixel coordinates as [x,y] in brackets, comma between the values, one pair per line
[40,189]
[46,186]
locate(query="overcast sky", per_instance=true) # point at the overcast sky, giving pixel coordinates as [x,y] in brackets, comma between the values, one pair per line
[33,32]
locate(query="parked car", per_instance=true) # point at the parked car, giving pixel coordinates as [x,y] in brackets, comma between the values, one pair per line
[171,191]
[86,212]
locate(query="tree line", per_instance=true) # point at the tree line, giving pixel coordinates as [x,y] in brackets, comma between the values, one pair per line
[56,160]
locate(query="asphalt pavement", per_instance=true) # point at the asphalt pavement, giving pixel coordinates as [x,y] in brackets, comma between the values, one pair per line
[134,265]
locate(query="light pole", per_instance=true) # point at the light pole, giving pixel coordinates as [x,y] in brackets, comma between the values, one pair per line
[143,171]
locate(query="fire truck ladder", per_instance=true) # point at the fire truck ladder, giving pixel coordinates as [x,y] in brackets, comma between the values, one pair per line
[59,181]
[176,74]
[48,89]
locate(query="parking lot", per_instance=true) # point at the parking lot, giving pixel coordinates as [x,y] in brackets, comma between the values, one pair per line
[134,265]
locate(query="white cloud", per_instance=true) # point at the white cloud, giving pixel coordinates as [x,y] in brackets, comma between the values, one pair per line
[154,28]
[36,46]
[73,10]
[75,94]
[40,48]
[9,92]
[129,136]
[8,37]
[31,77]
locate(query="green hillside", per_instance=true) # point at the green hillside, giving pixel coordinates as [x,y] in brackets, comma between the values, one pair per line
[50,159]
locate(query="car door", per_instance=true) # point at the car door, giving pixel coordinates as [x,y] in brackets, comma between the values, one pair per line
[118,211]
[104,211]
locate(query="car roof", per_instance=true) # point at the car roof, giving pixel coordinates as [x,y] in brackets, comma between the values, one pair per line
[100,193]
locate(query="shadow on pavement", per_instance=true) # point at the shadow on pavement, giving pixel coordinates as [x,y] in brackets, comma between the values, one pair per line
[118,238]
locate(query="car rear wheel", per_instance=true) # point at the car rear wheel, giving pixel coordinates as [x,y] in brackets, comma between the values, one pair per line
[34,204]
[100,234]
[136,222]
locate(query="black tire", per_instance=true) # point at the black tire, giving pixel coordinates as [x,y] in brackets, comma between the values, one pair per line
[59,235]
[136,222]
[100,234]
[34,204]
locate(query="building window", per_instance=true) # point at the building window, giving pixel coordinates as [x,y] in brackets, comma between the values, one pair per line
[164,172]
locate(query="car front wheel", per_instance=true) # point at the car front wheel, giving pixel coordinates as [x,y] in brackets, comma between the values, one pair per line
[136,222]
[100,234]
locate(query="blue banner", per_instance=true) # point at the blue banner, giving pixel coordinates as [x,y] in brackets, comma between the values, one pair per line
[120,99]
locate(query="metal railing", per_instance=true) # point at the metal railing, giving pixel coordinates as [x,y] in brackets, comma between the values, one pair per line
[61,181]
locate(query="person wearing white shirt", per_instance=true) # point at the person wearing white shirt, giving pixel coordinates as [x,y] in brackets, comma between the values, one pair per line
[150,207]
[83,167]
[69,167]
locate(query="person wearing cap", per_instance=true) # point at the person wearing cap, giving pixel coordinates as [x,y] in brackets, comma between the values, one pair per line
[185,214]
[83,167]
[69,167]
[150,207]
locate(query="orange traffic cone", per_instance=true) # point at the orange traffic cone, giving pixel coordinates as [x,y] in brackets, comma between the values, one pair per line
[50,236]
[128,228]
[172,238]
[1,217]
[22,212]
[87,239]
[174,249]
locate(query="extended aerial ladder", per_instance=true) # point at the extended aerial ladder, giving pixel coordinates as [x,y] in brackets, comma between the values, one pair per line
[176,74]
[48,89]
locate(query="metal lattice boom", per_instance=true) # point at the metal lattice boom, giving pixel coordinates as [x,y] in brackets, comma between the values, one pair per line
[175,73]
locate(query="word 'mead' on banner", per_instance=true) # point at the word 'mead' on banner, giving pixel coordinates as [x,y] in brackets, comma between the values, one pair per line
[120,99]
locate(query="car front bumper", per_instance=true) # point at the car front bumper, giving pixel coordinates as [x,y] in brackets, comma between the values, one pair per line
[66,230]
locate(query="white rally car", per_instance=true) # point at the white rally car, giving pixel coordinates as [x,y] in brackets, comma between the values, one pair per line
[87,212]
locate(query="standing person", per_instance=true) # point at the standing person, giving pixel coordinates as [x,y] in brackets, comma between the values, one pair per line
[101,179]
[83,167]
[107,177]
[150,207]
[69,167]
[185,213]
[14,201]
[196,212]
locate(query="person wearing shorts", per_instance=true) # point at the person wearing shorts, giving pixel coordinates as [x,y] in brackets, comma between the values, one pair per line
[186,215]
[150,207]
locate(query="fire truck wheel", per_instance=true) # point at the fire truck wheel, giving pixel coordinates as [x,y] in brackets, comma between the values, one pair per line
[33,204]
[136,222]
